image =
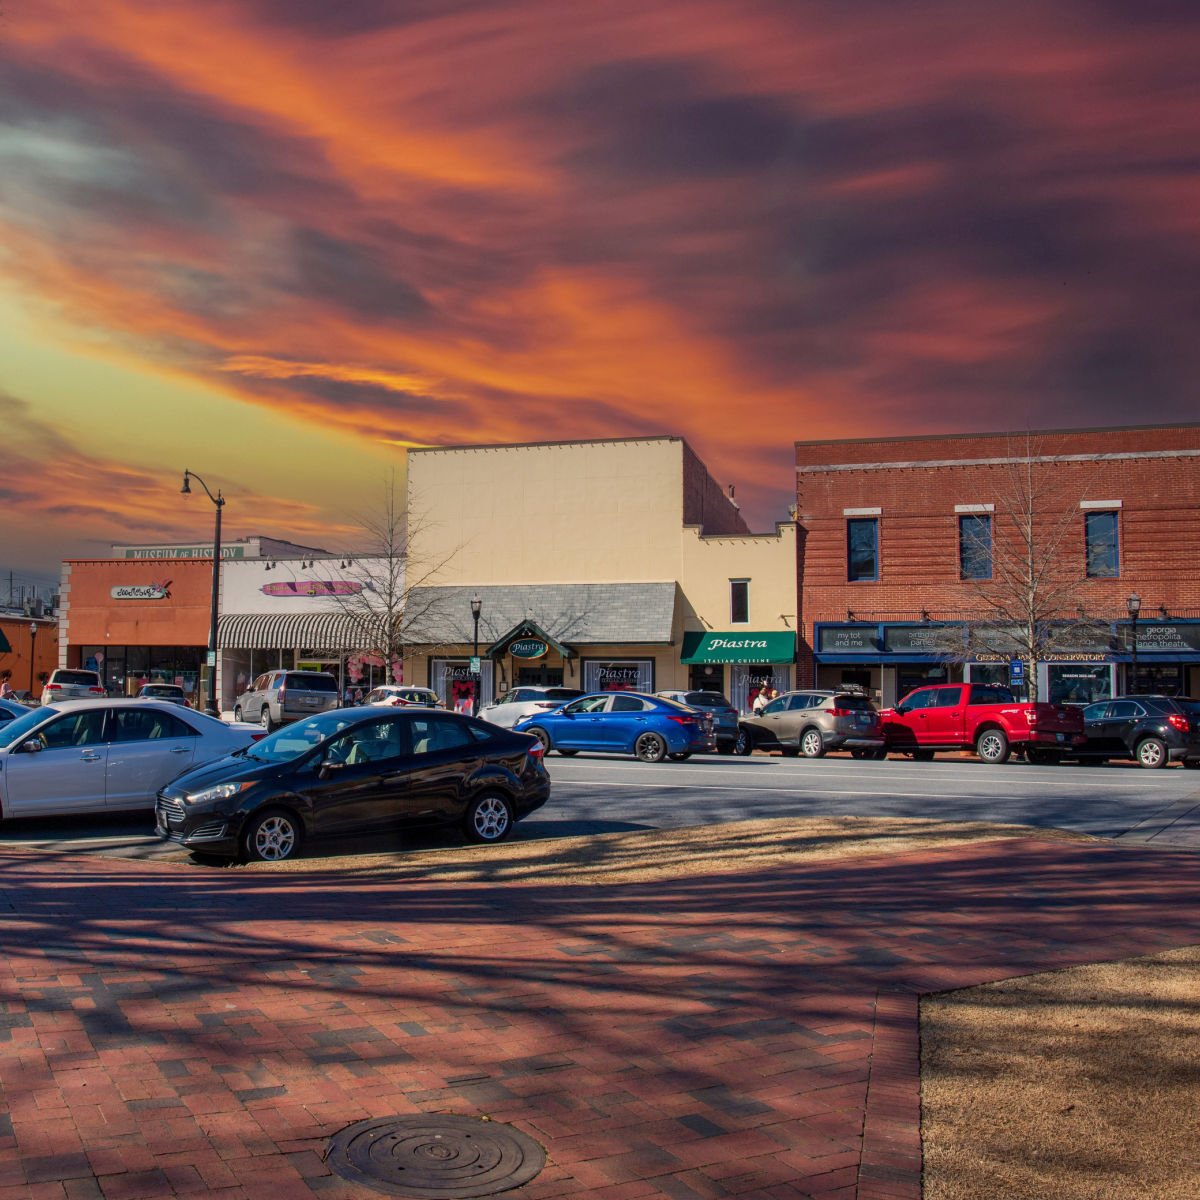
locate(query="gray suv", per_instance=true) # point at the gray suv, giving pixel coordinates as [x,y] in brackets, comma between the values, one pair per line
[281,696]
[812,721]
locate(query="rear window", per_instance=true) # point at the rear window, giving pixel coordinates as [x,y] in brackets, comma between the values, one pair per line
[707,700]
[562,693]
[162,689]
[311,683]
[991,695]
[855,702]
[82,678]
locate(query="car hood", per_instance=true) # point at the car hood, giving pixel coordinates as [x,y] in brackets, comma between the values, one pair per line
[221,770]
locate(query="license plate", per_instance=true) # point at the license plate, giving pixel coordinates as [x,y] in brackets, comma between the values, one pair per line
[1062,737]
[312,701]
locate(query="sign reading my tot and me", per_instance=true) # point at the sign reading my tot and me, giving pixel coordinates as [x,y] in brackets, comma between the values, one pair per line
[528,648]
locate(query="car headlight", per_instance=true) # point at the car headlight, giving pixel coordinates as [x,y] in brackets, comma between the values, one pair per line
[220,791]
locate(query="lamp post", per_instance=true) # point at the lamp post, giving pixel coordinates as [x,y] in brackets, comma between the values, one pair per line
[211,706]
[1134,604]
[476,607]
[32,648]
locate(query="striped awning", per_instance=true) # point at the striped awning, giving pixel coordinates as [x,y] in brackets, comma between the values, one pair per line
[291,631]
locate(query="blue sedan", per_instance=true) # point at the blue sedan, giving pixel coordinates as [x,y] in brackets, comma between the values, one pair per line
[650,728]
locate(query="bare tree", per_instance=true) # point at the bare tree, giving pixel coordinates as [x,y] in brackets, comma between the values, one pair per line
[377,584]
[1032,606]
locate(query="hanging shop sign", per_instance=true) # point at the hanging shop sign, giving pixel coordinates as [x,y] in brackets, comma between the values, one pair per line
[142,591]
[1158,636]
[528,648]
[313,587]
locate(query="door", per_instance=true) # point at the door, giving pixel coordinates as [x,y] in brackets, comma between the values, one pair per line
[66,775]
[579,727]
[539,677]
[944,718]
[1095,728]
[446,755]
[146,749]
[779,721]
[358,783]
[622,721]
[912,726]
[1116,731]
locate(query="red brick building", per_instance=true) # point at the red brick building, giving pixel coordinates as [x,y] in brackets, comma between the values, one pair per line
[898,538]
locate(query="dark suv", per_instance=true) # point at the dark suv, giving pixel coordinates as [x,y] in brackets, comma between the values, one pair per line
[1152,730]
[811,721]
[725,716]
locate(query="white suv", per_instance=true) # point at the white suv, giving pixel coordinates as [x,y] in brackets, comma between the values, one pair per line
[400,695]
[522,702]
[72,684]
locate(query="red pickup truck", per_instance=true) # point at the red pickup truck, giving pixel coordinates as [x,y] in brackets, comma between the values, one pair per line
[983,718]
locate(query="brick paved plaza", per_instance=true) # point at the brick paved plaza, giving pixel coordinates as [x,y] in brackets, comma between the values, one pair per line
[172,1030]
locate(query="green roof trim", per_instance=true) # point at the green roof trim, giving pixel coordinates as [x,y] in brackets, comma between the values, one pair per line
[740,647]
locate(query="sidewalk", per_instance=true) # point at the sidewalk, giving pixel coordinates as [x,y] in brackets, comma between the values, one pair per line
[170,1030]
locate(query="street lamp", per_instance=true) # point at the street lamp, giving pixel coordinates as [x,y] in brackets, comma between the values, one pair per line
[1134,604]
[211,707]
[476,607]
[32,647]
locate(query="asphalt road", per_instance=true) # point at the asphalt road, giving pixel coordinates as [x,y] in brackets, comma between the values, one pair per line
[598,794]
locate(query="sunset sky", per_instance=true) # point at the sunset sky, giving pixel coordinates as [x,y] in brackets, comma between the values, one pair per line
[277,241]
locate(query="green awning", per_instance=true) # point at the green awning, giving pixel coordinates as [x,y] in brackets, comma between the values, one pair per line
[775,647]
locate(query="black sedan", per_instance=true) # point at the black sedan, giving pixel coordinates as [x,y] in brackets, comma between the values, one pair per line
[354,771]
[1151,730]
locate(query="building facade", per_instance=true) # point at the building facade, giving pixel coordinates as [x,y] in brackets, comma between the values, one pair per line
[904,542]
[28,650]
[598,564]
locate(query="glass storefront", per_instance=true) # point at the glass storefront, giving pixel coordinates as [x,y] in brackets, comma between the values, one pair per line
[454,682]
[618,675]
[124,669]
[1078,683]
[750,678]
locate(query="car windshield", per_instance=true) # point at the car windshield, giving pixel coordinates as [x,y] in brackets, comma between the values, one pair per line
[22,725]
[297,739]
[162,689]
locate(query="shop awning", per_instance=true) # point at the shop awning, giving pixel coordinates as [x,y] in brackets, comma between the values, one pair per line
[291,631]
[770,647]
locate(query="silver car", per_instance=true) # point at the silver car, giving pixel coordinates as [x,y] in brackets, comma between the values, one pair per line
[72,684]
[105,755]
[521,702]
[277,697]
[812,721]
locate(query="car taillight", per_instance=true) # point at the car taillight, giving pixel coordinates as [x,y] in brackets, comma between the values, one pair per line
[95,691]
[282,694]
[1031,716]
[536,751]
[839,712]
[1180,722]
[683,720]
[52,687]
[258,737]
[546,703]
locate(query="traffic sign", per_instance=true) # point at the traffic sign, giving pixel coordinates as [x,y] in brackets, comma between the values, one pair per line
[474,664]
[1016,670]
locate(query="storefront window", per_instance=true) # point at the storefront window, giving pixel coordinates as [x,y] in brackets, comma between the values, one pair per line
[1159,680]
[1071,683]
[454,682]
[618,675]
[749,679]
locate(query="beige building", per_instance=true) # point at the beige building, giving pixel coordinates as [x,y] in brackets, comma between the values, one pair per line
[597,564]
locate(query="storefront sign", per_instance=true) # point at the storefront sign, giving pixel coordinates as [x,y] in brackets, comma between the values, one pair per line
[142,591]
[916,639]
[529,648]
[1157,637]
[859,640]
[770,646]
[313,587]
[185,552]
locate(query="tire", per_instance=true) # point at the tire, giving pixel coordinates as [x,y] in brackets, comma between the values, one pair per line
[726,747]
[568,753]
[992,746]
[812,744]
[264,719]
[922,756]
[237,713]
[878,755]
[1043,758]
[488,819]
[683,757]
[649,748]
[1152,753]
[272,836]
[542,736]
[744,744]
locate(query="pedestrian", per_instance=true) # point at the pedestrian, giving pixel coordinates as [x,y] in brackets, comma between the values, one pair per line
[6,688]
[761,700]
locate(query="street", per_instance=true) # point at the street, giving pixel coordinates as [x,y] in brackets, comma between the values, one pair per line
[599,794]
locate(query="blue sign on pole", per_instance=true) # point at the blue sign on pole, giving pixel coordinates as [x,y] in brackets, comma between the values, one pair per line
[1016,670]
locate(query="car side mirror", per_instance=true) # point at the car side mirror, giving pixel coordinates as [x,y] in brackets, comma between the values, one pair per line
[902,709]
[329,768]
[33,746]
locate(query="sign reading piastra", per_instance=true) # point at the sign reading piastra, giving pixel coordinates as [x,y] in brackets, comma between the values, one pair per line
[528,648]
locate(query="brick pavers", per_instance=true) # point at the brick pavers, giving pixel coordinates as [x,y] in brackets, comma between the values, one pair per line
[169,1030]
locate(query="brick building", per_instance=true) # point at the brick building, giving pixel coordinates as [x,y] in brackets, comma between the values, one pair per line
[899,538]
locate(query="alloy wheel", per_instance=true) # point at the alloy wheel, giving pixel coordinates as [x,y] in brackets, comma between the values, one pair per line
[275,839]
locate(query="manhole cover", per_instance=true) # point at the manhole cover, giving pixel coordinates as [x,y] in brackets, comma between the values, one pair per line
[432,1156]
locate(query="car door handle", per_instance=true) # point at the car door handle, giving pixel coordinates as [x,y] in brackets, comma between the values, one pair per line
[89,756]
[180,749]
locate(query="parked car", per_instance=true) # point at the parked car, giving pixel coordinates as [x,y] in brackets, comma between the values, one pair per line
[521,702]
[171,692]
[1151,730]
[10,710]
[71,684]
[357,770]
[725,716]
[278,697]
[105,755]
[648,727]
[27,698]
[399,694]
[981,717]
[812,722]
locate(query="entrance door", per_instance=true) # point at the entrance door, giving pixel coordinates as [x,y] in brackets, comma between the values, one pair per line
[706,678]
[539,677]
